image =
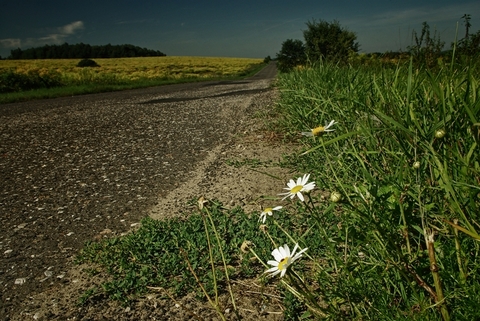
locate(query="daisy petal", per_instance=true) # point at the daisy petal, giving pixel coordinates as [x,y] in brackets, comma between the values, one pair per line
[277,255]
[300,196]
[273,263]
[294,249]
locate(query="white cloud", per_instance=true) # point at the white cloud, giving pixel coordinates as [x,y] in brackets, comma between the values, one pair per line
[55,38]
[10,43]
[71,28]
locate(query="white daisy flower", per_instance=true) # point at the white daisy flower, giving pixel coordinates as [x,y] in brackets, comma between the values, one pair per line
[317,131]
[301,185]
[283,259]
[268,211]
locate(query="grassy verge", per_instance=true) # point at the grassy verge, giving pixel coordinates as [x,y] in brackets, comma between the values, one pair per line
[159,252]
[55,85]
[388,209]
[402,167]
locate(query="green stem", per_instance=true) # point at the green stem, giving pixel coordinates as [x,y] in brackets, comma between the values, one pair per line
[436,277]
[210,253]
[213,304]
[458,249]
[302,288]
[224,261]
[405,226]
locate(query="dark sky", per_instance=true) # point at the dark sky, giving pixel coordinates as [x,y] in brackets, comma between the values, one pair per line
[223,28]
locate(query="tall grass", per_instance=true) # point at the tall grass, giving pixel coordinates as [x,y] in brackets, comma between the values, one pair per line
[401,241]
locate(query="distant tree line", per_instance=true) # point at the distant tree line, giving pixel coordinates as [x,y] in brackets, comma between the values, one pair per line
[83,51]
[329,41]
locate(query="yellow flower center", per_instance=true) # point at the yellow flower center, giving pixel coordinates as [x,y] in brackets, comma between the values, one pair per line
[267,210]
[318,130]
[283,263]
[296,189]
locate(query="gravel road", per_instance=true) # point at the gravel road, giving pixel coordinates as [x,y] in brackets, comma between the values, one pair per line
[73,169]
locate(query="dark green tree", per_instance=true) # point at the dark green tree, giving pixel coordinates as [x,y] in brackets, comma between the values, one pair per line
[292,54]
[329,41]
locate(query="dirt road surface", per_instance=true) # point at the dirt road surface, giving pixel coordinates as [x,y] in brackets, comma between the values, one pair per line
[75,169]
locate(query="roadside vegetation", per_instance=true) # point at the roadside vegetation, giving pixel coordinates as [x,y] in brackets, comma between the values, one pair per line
[381,219]
[22,80]
[391,225]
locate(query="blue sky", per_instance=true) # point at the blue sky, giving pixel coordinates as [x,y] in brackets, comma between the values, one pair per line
[223,28]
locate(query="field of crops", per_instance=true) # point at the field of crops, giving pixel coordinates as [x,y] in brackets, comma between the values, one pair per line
[137,68]
[47,78]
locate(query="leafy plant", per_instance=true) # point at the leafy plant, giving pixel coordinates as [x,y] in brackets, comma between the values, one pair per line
[469,45]
[427,49]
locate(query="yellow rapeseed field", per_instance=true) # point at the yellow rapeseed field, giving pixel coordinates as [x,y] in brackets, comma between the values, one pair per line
[137,68]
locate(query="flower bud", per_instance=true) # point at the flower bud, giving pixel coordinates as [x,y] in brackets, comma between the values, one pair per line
[440,133]
[335,197]
[416,165]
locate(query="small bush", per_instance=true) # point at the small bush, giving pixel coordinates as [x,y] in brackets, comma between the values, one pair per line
[87,63]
